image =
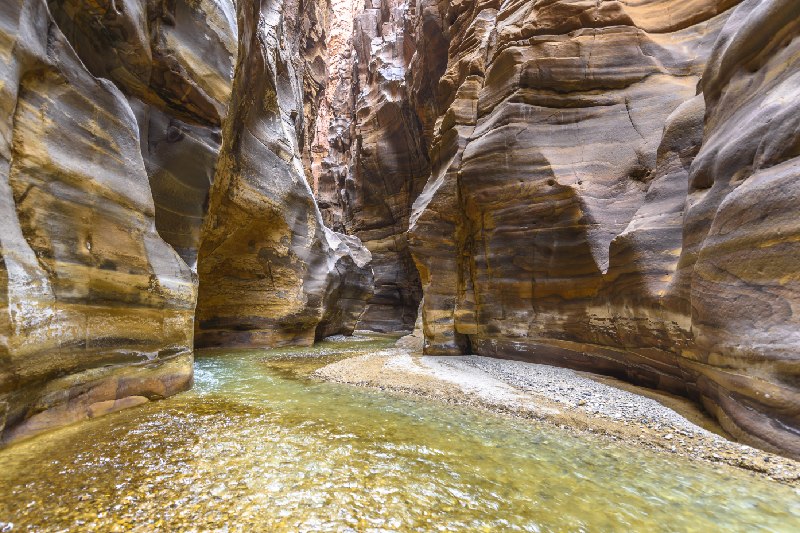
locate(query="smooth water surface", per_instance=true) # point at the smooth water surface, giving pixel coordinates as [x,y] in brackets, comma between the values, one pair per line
[258,446]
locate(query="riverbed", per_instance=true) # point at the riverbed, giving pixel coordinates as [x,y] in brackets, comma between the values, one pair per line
[258,445]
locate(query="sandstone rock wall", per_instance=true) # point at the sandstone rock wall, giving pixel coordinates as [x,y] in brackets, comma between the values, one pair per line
[609,185]
[96,307]
[613,188]
[174,62]
[389,164]
[112,124]
[376,153]
[269,270]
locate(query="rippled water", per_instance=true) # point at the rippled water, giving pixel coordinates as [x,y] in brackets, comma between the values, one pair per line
[257,446]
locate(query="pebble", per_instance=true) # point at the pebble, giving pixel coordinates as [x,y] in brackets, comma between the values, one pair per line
[500,382]
[568,387]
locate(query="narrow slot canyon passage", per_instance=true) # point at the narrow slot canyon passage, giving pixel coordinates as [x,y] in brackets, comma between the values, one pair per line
[395,265]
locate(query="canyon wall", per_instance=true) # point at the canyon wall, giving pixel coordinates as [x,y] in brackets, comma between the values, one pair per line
[271,273]
[614,187]
[97,309]
[372,162]
[607,185]
[114,115]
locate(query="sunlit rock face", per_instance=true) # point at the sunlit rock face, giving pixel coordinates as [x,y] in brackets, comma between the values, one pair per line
[614,187]
[269,269]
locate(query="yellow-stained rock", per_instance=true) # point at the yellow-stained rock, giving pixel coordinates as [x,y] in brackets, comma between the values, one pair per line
[271,273]
[613,187]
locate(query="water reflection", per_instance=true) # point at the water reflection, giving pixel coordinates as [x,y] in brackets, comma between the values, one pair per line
[258,446]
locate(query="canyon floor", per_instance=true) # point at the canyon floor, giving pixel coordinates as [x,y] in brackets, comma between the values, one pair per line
[579,402]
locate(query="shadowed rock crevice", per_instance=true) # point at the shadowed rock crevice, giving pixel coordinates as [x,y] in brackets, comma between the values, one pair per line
[270,272]
[373,154]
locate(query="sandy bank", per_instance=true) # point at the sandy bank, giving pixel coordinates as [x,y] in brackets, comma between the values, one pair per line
[576,401]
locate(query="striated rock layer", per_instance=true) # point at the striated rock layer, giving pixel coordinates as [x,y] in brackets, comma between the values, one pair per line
[374,162]
[97,309]
[113,114]
[609,185]
[614,187]
[270,271]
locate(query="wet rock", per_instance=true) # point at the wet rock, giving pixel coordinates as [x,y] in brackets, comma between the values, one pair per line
[89,291]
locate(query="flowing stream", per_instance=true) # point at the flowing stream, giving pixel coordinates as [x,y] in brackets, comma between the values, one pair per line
[259,446]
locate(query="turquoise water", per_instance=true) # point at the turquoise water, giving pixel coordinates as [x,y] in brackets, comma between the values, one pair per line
[258,446]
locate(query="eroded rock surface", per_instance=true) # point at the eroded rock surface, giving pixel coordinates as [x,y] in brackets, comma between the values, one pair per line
[113,114]
[609,185]
[613,188]
[269,269]
[96,308]
[375,162]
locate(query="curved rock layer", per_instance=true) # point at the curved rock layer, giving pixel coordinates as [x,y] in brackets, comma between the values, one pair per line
[270,271]
[112,126]
[96,308]
[614,187]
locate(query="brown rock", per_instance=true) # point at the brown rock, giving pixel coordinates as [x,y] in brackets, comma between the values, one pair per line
[375,161]
[86,279]
[586,209]
[108,155]
[267,263]
[603,185]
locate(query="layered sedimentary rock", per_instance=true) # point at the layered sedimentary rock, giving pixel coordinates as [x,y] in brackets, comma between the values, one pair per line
[112,127]
[331,139]
[269,270]
[389,165]
[174,62]
[613,187]
[742,232]
[605,185]
[97,309]
[375,162]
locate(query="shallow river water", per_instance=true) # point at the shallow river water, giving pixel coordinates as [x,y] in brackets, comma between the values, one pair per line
[258,446]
